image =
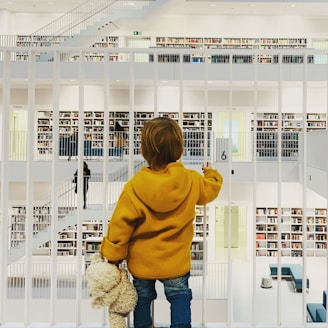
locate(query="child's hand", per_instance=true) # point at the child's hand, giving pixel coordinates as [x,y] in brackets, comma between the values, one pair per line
[117,263]
[206,166]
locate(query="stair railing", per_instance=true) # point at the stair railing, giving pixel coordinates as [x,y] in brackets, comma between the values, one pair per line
[80,18]
[76,20]
[42,215]
[67,201]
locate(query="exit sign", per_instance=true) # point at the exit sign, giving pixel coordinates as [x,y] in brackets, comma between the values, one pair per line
[136,32]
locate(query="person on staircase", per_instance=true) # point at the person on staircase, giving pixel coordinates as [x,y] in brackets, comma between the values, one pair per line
[86,177]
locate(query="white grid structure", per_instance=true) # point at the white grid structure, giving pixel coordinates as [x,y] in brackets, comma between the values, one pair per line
[218,300]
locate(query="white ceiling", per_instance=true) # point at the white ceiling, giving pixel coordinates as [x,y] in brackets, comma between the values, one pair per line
[203,7]
[42,6]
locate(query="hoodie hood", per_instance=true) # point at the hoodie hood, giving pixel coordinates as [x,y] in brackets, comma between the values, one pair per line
[163,191]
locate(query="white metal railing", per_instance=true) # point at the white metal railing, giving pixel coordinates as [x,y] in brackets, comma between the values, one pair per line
[81,18]
[67,203]
[241,147]
[165,55]
[66,282]
[74,21]
[83,26]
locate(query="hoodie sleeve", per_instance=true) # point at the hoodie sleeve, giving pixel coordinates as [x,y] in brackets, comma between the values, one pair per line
[114,246]
[210,186]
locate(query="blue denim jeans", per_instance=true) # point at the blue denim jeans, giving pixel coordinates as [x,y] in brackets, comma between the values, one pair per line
[177,293]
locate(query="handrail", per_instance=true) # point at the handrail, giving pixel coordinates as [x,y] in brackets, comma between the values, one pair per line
[65,197]
[80,18]
[75,20]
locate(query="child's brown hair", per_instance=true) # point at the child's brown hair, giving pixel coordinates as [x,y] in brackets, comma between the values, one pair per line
[161,142]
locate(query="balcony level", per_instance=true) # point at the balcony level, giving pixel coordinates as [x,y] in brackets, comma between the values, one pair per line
[172,71]
[169,64]
[234,169]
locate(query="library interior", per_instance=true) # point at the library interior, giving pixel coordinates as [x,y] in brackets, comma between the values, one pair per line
[247,81]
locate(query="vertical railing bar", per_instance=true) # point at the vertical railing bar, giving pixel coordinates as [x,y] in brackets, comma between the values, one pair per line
[254,155]
[230,300]
[4,191]
[304,192]
[131,55]
[279,189]
[80,186]
[107,75]
[205,237]
[29,188]
[54,200]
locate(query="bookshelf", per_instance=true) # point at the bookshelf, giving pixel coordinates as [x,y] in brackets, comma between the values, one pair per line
[41,221]
[92,232]
[37,41]
[50,41]
[42,218]
[200,231]
[44,135]
[231,43]
[92,245]
[270,122]
[93,128]
[66,242]
[220,43]
[67,238]
[105,43]
[193,125]
[291,232]
[267,128]
[316,121]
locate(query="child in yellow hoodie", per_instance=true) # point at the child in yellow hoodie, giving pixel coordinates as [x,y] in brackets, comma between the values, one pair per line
[152,223]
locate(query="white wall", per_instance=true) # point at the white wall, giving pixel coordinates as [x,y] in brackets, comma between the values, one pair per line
[28,23]
[168,98]
[4,21]
[168,20]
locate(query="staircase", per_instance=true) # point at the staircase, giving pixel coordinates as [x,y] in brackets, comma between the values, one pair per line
[43,236]
[88,23]
[68,212]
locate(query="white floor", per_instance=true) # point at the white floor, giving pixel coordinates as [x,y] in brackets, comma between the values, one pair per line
[267,309]
[260,307]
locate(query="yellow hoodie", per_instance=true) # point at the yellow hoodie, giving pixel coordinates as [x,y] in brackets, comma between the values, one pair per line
[152,224]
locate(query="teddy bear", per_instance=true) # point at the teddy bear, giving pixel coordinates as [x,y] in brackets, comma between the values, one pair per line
[109,286]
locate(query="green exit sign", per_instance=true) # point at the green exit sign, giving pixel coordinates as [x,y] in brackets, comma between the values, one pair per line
[136,32]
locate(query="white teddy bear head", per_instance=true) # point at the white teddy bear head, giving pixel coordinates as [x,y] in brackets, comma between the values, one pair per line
[102,278]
